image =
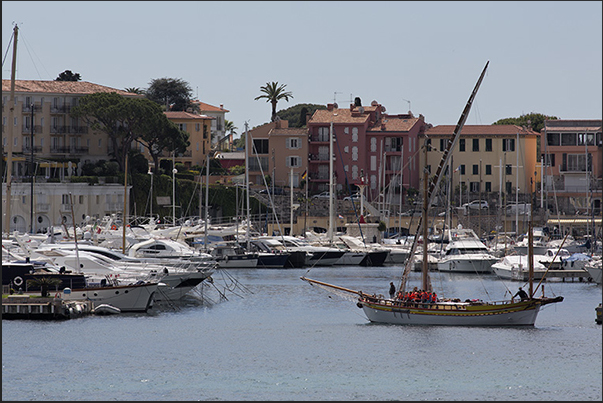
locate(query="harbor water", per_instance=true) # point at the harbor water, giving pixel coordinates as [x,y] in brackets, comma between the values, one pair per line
[276,337]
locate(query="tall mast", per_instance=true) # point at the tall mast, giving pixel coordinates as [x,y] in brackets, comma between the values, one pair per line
[438,175]
[9,151]
[426,284]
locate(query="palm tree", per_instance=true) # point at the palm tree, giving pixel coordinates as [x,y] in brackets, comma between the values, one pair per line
[134,90]
[231,130]
[273,92]
[45,283]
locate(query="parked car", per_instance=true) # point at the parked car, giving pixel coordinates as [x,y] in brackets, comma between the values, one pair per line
[521,208]
[476,205]
[323,195]
[353,196]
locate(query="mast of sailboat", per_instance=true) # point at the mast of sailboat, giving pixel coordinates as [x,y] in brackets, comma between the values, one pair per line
[425,283]
[206,214]
[247,188]
[438,176]
[530,254]
[9,151]
[330,232]
[125,214]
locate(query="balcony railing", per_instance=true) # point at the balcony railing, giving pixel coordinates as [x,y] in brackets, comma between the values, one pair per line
[27,149]
[323,138]
[27,108]
[42,207]
[60,109]
[59,150]
[27,129]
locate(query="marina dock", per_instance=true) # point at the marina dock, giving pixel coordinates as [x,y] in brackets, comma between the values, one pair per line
[24,306]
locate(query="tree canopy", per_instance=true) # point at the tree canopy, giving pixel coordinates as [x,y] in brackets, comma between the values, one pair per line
[126,120]
[533,120]
[68,75]
[174,94]
[296,114]
[273,92]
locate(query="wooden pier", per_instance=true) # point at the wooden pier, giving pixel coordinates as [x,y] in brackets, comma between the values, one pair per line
[580,274]
[24,306]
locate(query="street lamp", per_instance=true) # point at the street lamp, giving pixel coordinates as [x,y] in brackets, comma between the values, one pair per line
[151,173]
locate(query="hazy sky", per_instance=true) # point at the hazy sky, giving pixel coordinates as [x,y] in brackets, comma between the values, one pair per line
[545,57]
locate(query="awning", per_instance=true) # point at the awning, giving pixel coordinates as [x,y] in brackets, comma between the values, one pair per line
[573,221]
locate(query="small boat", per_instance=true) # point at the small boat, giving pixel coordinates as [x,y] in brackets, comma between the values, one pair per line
[594,269]
[106,309]
[230,255]
[515,267]
[467,256]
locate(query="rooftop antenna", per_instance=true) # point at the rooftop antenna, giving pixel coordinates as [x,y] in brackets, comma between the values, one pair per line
[335,96]
[408,103]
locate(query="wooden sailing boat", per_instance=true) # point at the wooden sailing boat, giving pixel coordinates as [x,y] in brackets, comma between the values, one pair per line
[445,311]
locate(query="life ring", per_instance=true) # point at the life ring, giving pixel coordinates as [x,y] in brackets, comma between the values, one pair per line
[17,281]
[113,227]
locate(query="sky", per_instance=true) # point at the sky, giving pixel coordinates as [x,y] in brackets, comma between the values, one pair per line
[544,56]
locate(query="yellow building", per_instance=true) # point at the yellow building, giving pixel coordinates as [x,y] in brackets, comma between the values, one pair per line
[198,128]
[487,160]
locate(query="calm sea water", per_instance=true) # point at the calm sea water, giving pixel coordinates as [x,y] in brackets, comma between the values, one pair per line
[276,337]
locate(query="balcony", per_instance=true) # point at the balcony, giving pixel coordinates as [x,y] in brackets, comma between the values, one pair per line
[27,149]
[60,109]
[59,129]
[77,129]
[59,150]
[27,108]
[42,207]
[319,157]
[27,129]
[319,139]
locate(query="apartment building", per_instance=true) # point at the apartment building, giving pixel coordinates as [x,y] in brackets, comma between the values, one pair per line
[218,128]
[372,149]
[276,150]
[487,159]
[41,126]
[198,128]
[573,152]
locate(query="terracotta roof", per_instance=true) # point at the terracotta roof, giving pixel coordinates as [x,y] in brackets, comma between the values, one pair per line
[186,115]
[339,116]
[480,130]
[570,125]
[289,131]
[394,124]
[60,87]
[209,108]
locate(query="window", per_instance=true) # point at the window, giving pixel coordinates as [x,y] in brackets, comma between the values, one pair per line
[293,162]
[182,126]
[553,139]
[442,144]
[373,162]
[100,143]
[474,187]
[577,162]
[508,169]
[488,187]
[354,134]
[64,199]
[488,169]
[428,144]
[462,169]
[475,169]
[475,144]
[373,144]
[508,144]
[260,146]
[346,130]
[569,139]
[197,127]
[549,160]
[205,131]
[81,197]
[293,143]
[462,145]
[354,153]
[508,187]
[323,134]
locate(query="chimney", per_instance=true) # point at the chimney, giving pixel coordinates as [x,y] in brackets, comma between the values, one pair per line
[329,107]
[221,106]
[382,125]
[351,107]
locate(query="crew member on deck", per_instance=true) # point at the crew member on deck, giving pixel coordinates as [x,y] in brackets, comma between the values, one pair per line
[522,294]
[392,290]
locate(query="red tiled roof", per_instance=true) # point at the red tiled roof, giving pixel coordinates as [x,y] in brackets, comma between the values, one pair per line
[209,108]
[480,130]
[339,116]
[289,131]
[61,87]
[186,115]
[394,124]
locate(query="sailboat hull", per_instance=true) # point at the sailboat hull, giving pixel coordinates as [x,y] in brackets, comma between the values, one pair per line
[452,314]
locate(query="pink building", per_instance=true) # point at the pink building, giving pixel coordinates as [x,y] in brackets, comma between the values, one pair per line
[368,148]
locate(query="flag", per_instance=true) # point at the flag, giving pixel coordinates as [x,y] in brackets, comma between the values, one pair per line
[457,169]
[340,216]
[305,174]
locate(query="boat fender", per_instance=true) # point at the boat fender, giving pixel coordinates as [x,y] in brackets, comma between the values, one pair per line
[359,305]
[226,258]
[17,281]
